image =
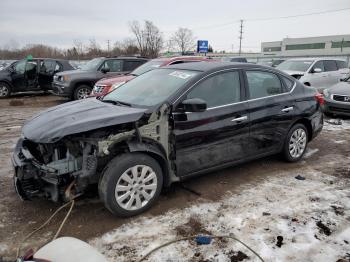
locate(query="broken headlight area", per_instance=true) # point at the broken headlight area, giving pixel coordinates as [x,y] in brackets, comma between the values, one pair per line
[53,170]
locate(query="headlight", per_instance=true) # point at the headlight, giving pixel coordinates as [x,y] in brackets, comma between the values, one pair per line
[116,85]
[326,93]
[65,78]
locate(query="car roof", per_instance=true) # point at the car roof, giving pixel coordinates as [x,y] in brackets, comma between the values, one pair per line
[204,67]
[174,58]
[313,59]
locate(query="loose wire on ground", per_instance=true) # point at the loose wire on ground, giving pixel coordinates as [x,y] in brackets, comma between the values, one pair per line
[48,221]
[193,237]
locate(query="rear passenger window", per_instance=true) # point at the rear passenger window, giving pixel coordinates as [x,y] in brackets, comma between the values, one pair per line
[263,84]
[330,65]
[221,89]
[341,64]
[131,65]
[287,83]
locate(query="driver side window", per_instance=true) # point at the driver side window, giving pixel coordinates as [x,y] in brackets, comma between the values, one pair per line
[113,65]
[318,64]
[218,90]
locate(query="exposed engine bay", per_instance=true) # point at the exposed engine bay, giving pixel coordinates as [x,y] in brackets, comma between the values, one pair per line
[64,169]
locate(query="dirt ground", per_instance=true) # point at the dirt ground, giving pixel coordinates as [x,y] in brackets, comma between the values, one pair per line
[90,219]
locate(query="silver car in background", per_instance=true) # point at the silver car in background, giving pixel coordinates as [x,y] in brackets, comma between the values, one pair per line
[316,72]
[337,98]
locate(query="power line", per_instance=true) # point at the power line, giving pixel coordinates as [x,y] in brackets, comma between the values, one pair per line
[271,18]
[300,15]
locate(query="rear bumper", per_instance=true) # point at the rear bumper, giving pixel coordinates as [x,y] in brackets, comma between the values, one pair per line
[338,108]
[317,124]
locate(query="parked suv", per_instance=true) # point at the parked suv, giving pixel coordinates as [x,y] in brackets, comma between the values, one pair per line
[319,73]
[78,84]
[32,74]
[163,126]
[106,85]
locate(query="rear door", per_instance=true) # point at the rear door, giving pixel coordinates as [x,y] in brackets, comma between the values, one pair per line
[130,65]
[32,74]
[343,70]
[331,69]
[271,111]
[218,135]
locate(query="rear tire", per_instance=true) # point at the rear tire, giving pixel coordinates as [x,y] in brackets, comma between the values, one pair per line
[130,184]
[82,92]
[5,90]
[296,143]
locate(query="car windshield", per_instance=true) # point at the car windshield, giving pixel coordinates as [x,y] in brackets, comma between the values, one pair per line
[300,65]
[151,88]
[92,64]
[147,67]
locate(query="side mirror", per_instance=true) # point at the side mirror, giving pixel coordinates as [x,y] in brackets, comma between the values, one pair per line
[105,70]
[317,70]
[11,69]
[193,105]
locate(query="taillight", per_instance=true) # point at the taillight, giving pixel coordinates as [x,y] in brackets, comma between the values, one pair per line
[319,98]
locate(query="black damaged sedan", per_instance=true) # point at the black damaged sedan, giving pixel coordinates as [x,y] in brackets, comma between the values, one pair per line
[161,127]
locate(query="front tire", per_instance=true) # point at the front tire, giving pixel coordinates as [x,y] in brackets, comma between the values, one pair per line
[82,92]
[296,143]
[5,90]
[130,184]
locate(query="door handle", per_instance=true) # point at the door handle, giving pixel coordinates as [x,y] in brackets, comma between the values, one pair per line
[240,119]
[287,109]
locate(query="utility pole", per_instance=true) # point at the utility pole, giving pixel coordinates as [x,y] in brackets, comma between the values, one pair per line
[240,36]
[108,46]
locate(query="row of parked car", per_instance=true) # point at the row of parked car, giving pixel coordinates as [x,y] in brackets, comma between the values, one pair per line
[100,76]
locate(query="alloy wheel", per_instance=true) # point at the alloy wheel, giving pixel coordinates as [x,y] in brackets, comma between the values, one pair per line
[297,143]
[3,91]
[83,93]
[136,187]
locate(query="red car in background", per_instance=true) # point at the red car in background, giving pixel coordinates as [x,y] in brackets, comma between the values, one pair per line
[106,85]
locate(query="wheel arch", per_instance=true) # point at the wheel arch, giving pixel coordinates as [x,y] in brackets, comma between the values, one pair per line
[151,148]
[307,123]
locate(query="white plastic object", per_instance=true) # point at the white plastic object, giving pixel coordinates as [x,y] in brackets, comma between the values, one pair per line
[69,249]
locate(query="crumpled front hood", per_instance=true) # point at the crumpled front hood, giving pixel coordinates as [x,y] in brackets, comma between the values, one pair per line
[77,117]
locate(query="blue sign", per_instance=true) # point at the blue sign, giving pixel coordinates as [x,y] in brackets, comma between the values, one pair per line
[202,46]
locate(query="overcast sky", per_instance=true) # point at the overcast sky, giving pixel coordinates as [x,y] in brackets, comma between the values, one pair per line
[58,23]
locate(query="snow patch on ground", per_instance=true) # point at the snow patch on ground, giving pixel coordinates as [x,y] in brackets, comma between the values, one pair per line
[310,152]
[336,124]
[281,206]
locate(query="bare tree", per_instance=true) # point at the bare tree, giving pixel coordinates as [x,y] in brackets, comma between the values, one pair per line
[79,47]
[148,38]
[184,39]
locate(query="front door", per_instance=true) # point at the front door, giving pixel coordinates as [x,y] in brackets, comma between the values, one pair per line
[46,73]
[218,135]
[18,76]
[271,110]
[114,67]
